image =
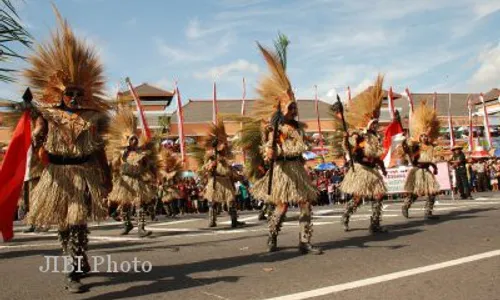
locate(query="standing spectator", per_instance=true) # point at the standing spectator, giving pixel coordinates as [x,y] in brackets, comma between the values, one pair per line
[322,185]
[181,202]
[245,196]
[471,175]
[482,176]
[331,191]
[458,161]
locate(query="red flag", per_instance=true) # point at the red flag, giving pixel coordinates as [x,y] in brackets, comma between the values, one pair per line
[12,174]
[180,124]
[142,118]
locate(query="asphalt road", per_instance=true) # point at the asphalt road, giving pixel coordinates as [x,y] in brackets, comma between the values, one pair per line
[456,257]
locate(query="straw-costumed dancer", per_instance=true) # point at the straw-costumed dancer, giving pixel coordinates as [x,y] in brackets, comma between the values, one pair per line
[220,176]
[249,140]
[421,180]
[67,79]
[134,165]
[291,184]
[364,180]
[169,166]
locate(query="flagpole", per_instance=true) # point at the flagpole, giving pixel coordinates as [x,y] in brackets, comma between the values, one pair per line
[471,133]
[180,124]
[318,119]
[434,101]
[140,110]
[486,122]
[391,103]
[243,99]
[450,123]
[411,109]
[349,95]
[215,109]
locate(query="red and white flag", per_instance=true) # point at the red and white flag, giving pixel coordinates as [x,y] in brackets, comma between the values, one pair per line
[140,110]
[180,124]
[393,136]
[215,108]
[486,121]
[12,174]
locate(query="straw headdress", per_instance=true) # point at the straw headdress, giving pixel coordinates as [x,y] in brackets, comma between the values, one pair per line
[168,164]
[273,90]
[365,107]
[62,62]
[122,128]
[217,131]
[424,120]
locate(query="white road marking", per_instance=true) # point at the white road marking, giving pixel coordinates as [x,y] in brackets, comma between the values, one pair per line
[172,222]
[240,219]
[383,278]
[113,238]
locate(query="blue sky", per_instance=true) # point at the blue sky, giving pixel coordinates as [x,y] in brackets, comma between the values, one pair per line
[443,46]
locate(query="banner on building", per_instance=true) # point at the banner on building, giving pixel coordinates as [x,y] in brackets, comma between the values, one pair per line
[396,178]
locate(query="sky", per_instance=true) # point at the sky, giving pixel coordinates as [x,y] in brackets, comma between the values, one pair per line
[426,45]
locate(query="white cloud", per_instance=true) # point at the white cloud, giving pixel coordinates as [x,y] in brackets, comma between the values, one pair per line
[191,52]
[487,75]
[486,8]
[239,67]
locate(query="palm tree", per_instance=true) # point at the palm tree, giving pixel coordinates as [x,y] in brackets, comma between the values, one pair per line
[11,33]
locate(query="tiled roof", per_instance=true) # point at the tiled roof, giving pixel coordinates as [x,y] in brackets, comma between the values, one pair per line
[200,111]
[492,95]
[146,90]
[386,93]
[458,103]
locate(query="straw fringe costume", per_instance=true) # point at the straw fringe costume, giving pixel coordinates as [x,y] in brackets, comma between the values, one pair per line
[35,171]
[291,184]
[67,80]
[364,180]
[421,181]
[169,168]
[223,190]
[134,171]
